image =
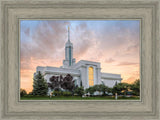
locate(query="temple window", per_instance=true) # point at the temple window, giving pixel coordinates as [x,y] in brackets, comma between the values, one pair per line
[90,76]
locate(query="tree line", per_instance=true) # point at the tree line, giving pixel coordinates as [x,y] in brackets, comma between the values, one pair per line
[66,86]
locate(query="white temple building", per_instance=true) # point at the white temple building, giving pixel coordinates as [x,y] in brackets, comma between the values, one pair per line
[85,73]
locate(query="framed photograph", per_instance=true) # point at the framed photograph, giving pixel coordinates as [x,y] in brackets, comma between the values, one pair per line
[102,49]
[80,59]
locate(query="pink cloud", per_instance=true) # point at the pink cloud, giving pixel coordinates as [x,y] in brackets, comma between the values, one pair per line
[110,60]
[127,63]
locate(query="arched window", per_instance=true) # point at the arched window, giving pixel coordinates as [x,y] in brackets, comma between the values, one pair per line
[91,76]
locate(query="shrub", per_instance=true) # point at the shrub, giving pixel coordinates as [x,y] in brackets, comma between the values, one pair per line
[57,93]
[90,90]
[98,88]
[23,92]
[62,93]
[79,91]
[66,93]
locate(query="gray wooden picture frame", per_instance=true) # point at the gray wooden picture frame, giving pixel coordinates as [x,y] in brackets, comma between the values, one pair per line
[12,11]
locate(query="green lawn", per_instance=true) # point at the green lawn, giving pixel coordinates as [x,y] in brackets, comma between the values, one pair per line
[76,98]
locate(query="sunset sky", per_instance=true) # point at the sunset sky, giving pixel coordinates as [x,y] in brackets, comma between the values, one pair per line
[113,43]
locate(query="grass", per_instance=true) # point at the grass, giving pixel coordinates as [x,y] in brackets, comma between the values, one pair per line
[77,98]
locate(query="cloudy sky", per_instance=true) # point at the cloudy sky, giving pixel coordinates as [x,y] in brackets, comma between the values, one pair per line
[113,43]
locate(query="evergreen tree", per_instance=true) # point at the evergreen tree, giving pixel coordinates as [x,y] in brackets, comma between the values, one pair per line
[40,86]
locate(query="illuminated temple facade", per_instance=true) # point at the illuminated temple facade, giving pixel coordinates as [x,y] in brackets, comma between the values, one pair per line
[85,73]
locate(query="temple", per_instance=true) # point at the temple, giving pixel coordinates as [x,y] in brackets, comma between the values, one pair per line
[85,73]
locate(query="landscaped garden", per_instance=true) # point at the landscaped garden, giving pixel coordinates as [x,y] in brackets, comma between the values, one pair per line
[60,88]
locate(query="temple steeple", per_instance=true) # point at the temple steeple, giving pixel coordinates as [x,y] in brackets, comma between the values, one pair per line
[69,60]
[68,34]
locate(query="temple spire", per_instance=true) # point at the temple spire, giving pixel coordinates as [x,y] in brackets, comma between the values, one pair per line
[69,60]
[68,34]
